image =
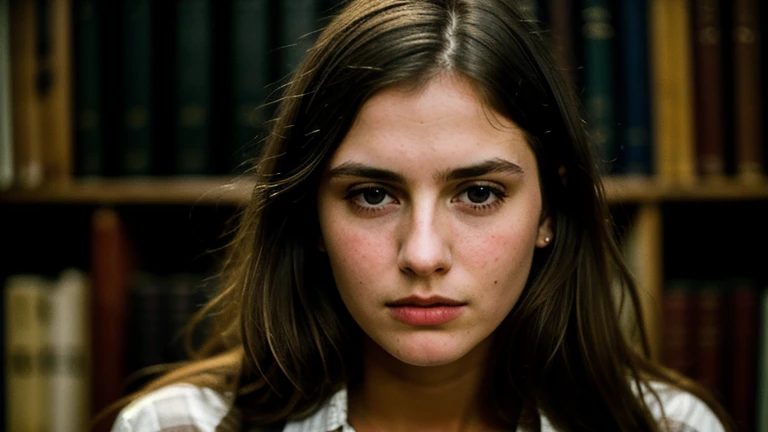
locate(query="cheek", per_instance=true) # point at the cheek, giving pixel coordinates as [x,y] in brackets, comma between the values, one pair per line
[499,245]
[500,259]
[355,255]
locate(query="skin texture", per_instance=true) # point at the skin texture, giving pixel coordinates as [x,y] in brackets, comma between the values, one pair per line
[400,217]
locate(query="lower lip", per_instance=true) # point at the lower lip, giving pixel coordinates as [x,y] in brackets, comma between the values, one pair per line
[426,316]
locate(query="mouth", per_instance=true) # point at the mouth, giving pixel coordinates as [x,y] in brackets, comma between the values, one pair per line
[426,311]
[425,302]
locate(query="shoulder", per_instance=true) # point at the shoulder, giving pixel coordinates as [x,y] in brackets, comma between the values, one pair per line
[679,409]
[178,407]
[676,410]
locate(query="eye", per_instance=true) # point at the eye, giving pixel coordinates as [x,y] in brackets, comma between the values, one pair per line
[481,197]
[479,194]
[371,197]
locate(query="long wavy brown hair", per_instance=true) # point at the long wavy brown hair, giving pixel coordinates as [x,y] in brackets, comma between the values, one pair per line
[283,342]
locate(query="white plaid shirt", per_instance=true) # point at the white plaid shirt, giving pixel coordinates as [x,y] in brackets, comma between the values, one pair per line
[186,408]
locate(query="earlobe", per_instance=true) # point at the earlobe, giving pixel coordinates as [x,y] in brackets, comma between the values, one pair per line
[545,235]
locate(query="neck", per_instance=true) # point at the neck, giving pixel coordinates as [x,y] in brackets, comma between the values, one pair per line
[394,396]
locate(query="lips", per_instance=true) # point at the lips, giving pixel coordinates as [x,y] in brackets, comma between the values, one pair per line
[426,311]
[425,302]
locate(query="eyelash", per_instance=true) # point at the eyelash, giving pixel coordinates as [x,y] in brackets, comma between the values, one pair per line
[496,191]
[356,194]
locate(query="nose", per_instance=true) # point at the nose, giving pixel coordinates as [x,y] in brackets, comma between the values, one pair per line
[425,245]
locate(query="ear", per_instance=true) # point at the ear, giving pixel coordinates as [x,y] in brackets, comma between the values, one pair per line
[546,234]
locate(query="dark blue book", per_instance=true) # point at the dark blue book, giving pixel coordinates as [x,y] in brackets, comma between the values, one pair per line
[250,45]
[636,149]
[299,21]
[89,123]
[136,113]
[193,88]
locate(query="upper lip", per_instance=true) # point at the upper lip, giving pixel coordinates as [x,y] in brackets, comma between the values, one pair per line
[425,301]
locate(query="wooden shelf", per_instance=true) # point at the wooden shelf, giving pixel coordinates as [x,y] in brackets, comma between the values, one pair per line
[202,190]
[639,190]
[228,191]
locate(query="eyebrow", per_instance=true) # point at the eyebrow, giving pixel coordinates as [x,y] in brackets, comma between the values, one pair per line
[356,169]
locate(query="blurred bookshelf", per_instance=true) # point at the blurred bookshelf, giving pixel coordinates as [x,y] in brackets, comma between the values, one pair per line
[114,170]
[220,190]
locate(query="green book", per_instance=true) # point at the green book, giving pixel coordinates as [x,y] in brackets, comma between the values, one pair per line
[598,33]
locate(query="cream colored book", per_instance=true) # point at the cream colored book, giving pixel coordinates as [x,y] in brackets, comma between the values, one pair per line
[26,327]
[69,349]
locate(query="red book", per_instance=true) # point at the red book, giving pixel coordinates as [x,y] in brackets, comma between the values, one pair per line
[678,312]
[709,339]
[707,50]
[111,264]
[743,352]
[747,104]
[561,21]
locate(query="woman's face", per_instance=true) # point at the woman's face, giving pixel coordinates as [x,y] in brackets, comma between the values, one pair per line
[430,211]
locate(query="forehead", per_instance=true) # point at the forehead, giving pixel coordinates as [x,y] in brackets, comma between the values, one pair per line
[443,121]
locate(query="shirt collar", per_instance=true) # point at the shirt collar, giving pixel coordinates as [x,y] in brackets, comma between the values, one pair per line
[331,417]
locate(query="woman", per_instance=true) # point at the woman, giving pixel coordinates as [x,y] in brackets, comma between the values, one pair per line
[426,248]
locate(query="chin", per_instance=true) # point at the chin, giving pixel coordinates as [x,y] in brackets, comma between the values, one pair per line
[428,353]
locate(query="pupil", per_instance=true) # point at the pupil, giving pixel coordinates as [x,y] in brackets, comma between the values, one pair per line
[374,196]
[478,194]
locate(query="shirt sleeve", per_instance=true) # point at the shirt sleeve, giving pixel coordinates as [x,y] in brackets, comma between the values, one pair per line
[682,411]
[180,408]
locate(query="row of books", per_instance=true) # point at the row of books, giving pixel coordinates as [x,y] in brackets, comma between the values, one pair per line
[671,87]
[716,332]
[47,353]
[53,364]
[142,88]
[132,303]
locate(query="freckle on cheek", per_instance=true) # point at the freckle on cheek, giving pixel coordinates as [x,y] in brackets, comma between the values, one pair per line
[495,282]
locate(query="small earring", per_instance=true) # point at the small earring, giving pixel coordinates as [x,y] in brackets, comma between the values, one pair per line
[546,239]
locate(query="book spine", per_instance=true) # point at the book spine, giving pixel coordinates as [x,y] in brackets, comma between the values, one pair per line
[747,104]
[55,88]
[111,264]
[145,322]
[598,32]
[180,306]
[709,340]
[6,145]
[709,89]
[560,17]
[136,152]
[69,363]
[89,144]
[743,315]
[25,102]
[636,125]
[26,327]
[681,72]
[298,21]
[672,91]
[677,327]
[250,46]
[193,117]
